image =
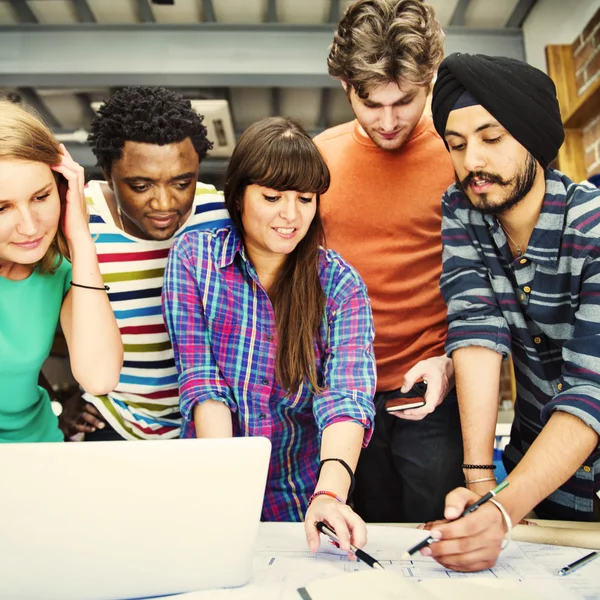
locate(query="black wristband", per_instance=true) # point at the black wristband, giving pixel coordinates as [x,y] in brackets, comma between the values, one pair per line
[345,465]
[104,288]
[492,467]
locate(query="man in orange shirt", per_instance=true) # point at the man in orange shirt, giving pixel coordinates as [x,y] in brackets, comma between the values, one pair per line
[389,170]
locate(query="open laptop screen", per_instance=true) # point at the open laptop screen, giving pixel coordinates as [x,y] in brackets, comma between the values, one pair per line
[117,520]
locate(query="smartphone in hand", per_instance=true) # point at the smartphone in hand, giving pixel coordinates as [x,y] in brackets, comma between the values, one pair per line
[414,398]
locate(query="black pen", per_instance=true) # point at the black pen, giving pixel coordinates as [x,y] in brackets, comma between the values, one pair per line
[471,508]
[579,563]
[360,554]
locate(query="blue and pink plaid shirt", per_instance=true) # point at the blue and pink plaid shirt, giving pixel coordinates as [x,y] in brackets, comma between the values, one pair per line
[224,337]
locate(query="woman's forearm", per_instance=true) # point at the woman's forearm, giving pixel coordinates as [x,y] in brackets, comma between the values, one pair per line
[340,440]
[89,324]
[213,420]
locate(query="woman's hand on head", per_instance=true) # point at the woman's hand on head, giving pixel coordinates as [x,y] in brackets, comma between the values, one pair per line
[348,526]
[75,216]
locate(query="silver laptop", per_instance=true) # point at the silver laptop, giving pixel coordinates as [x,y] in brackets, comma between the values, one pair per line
[121,520]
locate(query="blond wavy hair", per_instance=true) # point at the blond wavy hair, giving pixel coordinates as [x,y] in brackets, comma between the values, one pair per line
[23,136]
[382,41]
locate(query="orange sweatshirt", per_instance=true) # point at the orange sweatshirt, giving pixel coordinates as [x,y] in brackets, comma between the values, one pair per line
[382,213]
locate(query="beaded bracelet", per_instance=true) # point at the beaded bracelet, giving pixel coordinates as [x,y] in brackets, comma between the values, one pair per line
[491,467]
[325,493]
[104,288]
[345,465]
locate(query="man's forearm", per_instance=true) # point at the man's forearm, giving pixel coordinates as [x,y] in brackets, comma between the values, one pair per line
[477,372]
[556,454]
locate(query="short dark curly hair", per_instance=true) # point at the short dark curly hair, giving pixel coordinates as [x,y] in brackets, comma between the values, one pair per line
[380,41]
[151,115]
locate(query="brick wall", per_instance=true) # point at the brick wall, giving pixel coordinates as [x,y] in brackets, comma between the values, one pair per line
[586,58]
[591,144]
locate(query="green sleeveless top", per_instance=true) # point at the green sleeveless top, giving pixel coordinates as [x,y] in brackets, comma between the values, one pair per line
[29,315]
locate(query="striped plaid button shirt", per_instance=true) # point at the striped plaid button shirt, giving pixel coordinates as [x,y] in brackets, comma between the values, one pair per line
[543,307]
[145,403]
[224,336]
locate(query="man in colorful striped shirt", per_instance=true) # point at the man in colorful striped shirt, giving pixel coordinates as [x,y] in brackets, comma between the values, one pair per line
[521,275]
[149,143]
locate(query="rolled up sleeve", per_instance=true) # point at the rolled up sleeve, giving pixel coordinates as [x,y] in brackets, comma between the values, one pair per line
[349,368]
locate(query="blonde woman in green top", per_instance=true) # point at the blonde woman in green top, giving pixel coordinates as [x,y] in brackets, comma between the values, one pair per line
[48,274]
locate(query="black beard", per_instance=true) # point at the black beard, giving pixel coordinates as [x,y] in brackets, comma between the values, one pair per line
[521,183]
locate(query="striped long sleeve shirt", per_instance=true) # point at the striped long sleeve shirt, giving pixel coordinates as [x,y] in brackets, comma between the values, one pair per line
[145,403]
[544,307]
[224,336]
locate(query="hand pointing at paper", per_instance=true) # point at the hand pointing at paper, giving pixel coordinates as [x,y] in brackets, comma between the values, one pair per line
[340,447]
[349,527]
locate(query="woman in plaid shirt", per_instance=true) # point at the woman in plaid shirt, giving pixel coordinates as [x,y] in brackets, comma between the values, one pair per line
[272,334]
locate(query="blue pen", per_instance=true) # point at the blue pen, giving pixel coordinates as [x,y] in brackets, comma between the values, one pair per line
[579,563]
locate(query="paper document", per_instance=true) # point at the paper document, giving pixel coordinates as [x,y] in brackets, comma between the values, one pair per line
[388,585]
[283,564]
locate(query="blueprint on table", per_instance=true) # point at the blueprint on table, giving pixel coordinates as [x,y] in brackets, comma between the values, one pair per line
[283,564]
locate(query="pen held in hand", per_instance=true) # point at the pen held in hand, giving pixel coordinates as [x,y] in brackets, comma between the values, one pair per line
[419,546]
[360,554]
[471,508]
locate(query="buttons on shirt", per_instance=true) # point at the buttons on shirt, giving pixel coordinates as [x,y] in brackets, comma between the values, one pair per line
[522,296]
[270,338]
[523,261]
[264,381]
[587,469]
[537,339]
[559,387]
[527,289]
[262,416]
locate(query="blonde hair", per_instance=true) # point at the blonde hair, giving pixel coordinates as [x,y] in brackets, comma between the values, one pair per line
[378,41]
[23,136]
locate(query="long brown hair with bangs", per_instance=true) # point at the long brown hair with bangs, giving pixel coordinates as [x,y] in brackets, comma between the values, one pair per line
[278,153]
[23,136]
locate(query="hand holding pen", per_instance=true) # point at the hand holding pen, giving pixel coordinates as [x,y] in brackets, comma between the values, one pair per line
[360,554]
[467,511]
[347,525]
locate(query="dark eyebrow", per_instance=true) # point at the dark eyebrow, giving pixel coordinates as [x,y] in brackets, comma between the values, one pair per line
[406,98]
[490,125]
[478,130]
[184,176]
[137,179]
[140,179]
